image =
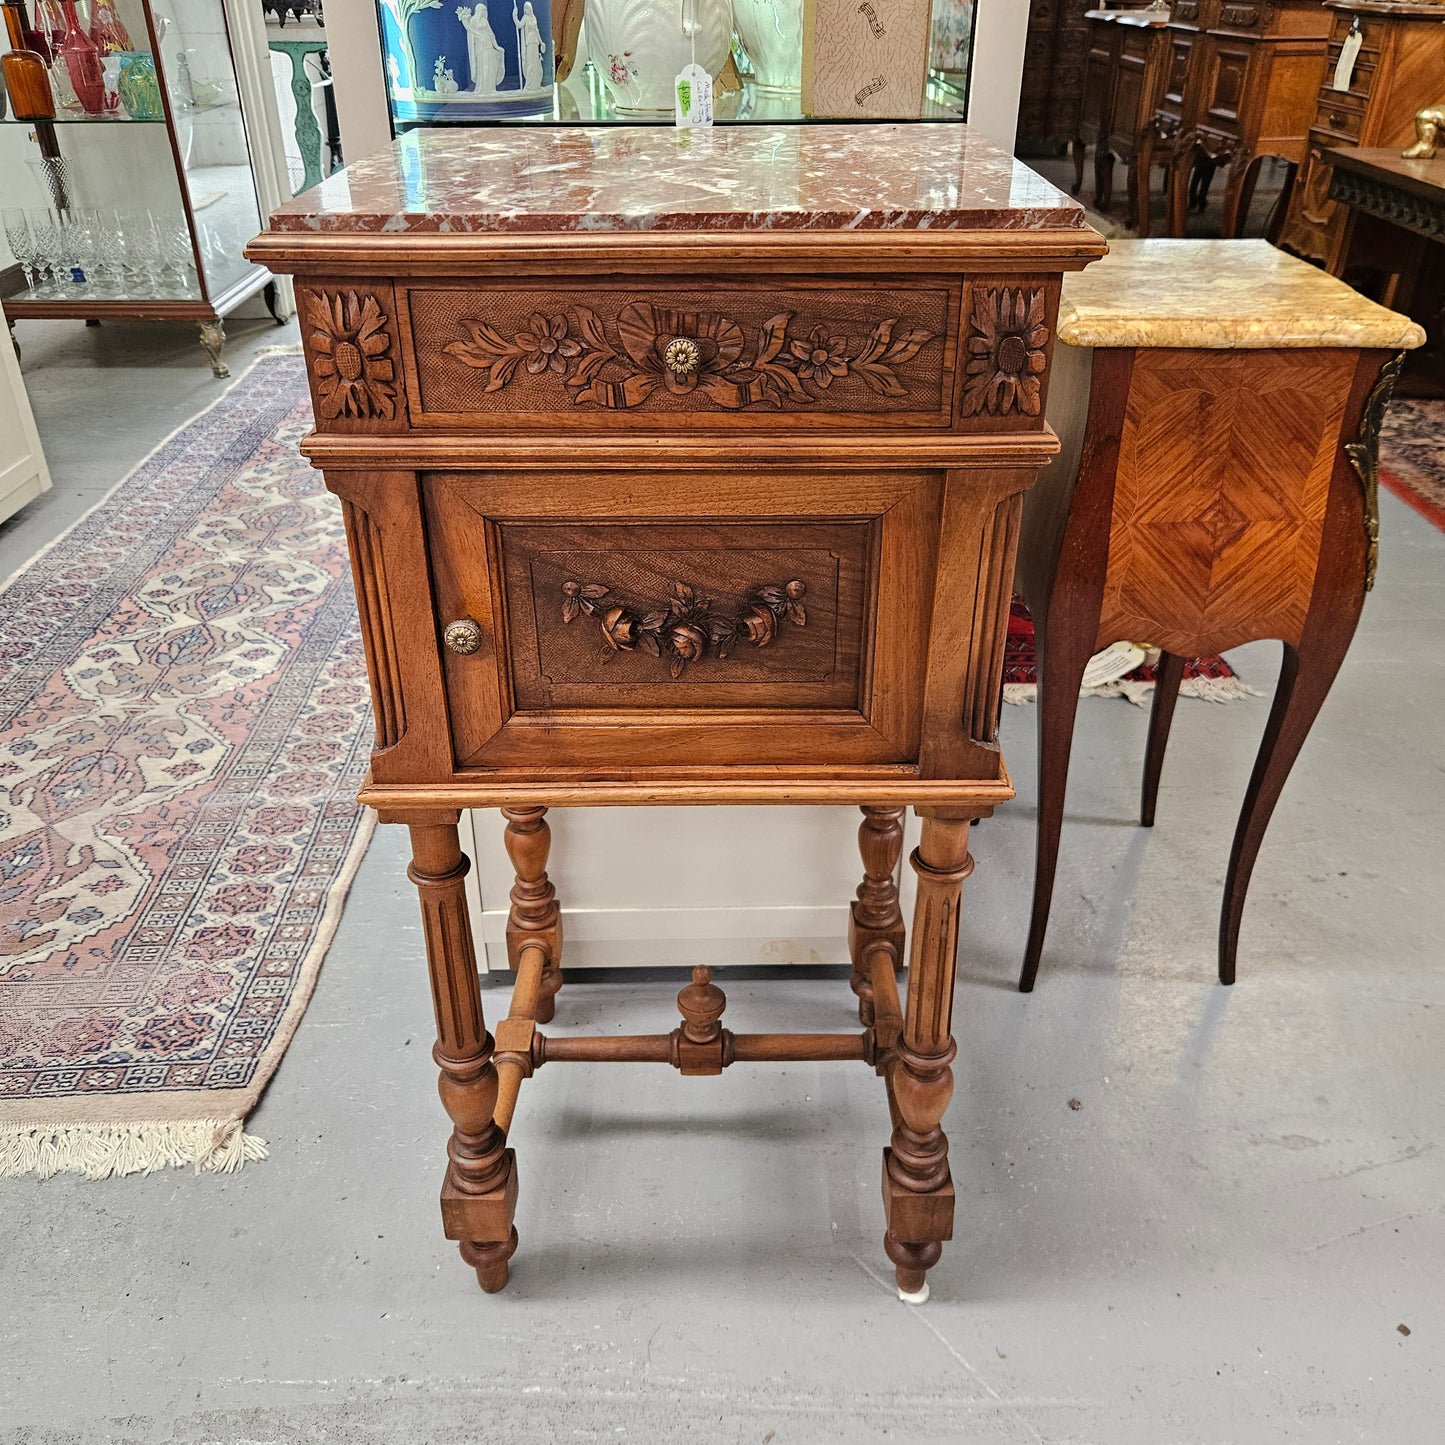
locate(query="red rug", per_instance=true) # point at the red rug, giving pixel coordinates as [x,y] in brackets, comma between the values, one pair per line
[1211,679]
[183,726]
[1412,456]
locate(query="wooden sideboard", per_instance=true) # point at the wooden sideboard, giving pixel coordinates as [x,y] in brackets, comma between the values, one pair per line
[1219,407]
[1400,70]
[1220,83]
[684,467]
[1123,76]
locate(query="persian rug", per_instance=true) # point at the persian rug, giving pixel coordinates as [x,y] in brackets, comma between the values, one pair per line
[183,727]
[1211,679]
[1412,455]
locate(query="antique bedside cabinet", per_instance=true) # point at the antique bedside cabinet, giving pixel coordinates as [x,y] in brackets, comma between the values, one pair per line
[684,467]
[1219,404]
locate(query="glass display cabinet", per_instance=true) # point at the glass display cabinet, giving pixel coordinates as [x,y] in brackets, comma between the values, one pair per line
[136,197]
[541,62]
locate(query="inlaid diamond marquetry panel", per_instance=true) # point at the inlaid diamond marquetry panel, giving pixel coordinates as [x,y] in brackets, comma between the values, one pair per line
[1220,496]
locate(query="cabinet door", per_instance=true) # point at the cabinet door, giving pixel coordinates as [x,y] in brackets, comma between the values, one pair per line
[23,473]
[621,621]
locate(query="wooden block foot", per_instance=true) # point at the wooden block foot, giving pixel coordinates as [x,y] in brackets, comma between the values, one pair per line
[490,1261]
[481,1218]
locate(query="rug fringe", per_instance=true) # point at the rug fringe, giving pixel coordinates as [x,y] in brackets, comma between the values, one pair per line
[105,1151]
[1206,689]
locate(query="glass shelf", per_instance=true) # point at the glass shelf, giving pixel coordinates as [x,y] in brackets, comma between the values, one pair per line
[83,119]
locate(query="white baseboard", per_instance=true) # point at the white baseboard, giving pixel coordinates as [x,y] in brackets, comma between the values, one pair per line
[684,937]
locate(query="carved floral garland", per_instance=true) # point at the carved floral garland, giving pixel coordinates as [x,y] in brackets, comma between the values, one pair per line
[688,626]
[688,351]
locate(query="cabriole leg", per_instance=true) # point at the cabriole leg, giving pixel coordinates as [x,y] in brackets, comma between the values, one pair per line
[535,916]
[479,1195]
[917,1187]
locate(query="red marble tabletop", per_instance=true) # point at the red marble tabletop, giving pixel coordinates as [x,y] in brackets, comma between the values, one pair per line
[654,178]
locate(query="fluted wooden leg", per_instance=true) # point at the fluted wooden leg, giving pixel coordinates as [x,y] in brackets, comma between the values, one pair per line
[479,1195]
[1168,676]
[876,920]
[535,916]
[1304,683]
[917,1187]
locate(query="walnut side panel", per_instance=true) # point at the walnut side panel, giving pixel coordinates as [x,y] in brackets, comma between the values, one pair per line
[1220,494]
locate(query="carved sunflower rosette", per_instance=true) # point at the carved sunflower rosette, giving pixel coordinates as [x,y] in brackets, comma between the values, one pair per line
[1006,352]
[352,357]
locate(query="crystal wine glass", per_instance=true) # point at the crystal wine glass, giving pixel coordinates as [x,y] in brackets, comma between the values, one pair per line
[20,241]
[49,232]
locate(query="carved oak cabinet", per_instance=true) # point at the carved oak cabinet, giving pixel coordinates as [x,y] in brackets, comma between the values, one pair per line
[684,468]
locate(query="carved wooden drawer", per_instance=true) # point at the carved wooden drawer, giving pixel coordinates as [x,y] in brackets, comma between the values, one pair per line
[1246,15]
[613,619]
[1341,114]
[601,353]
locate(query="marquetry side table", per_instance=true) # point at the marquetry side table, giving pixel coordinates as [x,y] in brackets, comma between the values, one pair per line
[1219,406]
[684,468]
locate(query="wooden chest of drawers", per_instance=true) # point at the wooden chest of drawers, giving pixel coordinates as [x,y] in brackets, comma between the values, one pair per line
[1221,82]
[1399,69]
[684,468]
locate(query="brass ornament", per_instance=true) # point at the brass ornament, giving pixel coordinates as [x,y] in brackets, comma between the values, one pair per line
[464,636]
[681,356]
[1364,455]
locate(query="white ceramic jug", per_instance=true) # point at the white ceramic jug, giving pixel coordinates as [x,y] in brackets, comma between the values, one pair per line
[772,35]
[639,46]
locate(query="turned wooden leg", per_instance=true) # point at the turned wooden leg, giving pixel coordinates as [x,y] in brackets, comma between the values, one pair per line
[875,919]
[1062,654]
[1304,683]
[535,916]
[479,1195]
[1169,675]
[917,1187]
[1076,152]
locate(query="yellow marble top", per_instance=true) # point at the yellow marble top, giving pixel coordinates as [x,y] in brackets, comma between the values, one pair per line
[1219,295]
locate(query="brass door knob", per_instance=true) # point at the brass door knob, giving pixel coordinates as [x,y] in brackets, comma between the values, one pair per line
[463,636]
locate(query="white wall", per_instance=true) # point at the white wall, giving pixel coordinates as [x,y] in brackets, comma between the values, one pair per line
[998,68]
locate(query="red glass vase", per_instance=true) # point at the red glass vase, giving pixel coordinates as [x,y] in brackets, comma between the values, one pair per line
[106,28]
[82,64]
[50,25]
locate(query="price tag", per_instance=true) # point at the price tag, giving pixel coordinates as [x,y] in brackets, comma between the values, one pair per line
[693,93]
[1349,53]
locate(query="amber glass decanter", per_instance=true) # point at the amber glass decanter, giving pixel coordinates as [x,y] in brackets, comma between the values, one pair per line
[25,77]
[82,63]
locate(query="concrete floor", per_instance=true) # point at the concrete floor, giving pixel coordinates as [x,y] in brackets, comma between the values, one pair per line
[1221,1243]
